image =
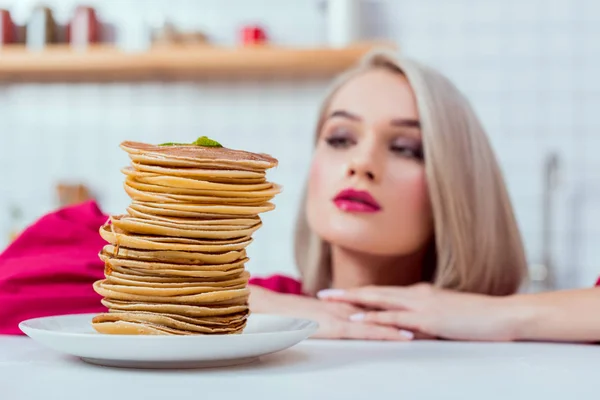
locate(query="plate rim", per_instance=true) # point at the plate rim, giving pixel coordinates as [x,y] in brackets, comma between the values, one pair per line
[311,327]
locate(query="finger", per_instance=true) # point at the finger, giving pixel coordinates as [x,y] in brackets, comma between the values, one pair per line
[399,299]
[397,319]
[425,336]
[358,331]
[412,328]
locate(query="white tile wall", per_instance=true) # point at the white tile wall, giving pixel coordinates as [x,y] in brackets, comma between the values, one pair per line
[529,66]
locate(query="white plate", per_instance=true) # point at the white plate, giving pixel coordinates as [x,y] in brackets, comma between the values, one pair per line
[74,335]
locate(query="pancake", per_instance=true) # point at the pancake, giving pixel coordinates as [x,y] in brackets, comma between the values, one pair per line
[156,212]
[162,260]
[220,224]
[179,309]
[148,159]
[153,266]
[177,210]
[175,244]
[139,195]
[174,257]
[111,279]
[249,220]
[266,194]
[150,323]
[188,183]
[144,276]
[198,175]
[176,272]
[145,227]
[168,292]
[201,173]
[194,153]
[209,321]
[204,298]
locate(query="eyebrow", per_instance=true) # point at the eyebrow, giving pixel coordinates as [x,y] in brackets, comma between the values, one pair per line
[412,123]
[402,122]
[345,114]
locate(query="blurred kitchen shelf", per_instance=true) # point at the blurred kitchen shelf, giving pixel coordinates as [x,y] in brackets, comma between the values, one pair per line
[101,63]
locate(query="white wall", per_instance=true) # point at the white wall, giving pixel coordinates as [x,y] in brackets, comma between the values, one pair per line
[528,66]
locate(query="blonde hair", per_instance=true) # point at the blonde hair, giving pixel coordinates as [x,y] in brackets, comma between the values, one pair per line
[477,244]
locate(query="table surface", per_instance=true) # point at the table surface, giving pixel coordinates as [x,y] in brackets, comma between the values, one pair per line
[317,369]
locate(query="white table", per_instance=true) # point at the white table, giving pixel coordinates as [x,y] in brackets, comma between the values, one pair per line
[317,370]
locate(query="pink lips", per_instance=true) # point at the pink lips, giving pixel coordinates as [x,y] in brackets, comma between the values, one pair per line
[351,200]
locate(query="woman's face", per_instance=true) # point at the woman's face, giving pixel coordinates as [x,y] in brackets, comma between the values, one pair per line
[367,189]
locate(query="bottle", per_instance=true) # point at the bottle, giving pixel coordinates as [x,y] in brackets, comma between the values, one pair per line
[41,29]
[343,22]
[7,28]
[84,28]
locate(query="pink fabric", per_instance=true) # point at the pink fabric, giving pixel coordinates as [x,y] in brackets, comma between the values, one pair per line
[279,283]
[598,282]
[50,268]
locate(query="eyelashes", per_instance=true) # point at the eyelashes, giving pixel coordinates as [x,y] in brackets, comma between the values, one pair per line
[401,148]
[338,142]
[408,151]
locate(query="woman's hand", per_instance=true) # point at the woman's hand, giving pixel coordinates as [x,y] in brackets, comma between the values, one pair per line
[334,321]
[424,309]
[333,318]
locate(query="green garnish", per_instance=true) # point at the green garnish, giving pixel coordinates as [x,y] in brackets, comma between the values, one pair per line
[173,144]
[201,141]
[206,142]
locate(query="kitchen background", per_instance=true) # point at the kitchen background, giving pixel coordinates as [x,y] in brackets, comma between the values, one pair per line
[530,67]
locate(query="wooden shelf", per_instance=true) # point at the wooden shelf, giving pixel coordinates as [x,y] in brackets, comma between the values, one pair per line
[63,64]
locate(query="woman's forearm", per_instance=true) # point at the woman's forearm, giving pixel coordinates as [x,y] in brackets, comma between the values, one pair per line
[569,315]
[261,299]
[266,301]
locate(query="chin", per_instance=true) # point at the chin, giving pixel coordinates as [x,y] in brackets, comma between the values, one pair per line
[363,247]
[364,233]
[362,241]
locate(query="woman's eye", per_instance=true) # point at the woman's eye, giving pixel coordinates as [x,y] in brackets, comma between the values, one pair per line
[408,151]
[338,141]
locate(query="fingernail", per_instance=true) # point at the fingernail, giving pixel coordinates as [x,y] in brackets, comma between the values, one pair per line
[357,317]
[407,334]
[330,293]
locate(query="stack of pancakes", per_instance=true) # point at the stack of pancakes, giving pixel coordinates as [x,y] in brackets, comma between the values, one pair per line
[174,264]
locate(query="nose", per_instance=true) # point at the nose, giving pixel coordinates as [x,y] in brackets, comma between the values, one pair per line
[363,166]
[368,174]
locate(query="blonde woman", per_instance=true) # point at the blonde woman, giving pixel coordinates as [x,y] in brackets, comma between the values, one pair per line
[406,229]
[403,189]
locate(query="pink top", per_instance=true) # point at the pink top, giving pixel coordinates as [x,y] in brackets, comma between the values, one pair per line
[50,268]
[280,284]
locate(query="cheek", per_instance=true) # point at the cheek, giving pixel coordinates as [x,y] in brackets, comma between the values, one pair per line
[408,218]
[322,177]
[410,195]
[316,185]
[315,174]
[322,183]
[316,180]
